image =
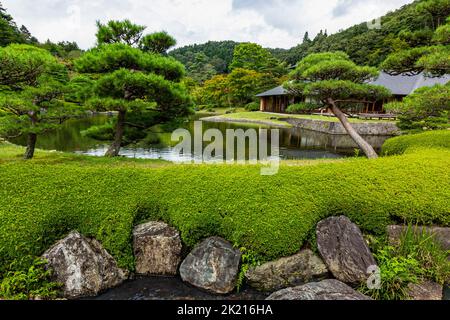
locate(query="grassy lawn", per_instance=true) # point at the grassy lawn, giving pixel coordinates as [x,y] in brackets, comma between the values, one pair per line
[221,111]
[272,216]
[276,119]
[10,153]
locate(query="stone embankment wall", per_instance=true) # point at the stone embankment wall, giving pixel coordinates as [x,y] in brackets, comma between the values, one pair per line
[366,128]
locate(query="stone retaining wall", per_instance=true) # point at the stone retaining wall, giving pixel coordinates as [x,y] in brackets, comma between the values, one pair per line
[366,129]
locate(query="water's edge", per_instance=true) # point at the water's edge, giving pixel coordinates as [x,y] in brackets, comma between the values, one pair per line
[172,288]
[169,288]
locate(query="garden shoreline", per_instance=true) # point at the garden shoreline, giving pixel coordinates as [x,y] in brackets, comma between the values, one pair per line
[323,126]
[251,121]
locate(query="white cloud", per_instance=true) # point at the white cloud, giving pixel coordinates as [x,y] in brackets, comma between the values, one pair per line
[272,23]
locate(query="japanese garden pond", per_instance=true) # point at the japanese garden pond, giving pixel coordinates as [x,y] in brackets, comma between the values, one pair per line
[295,143]
[172,288]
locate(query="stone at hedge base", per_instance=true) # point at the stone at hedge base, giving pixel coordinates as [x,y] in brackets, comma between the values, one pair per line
[213,265]
[344,250]
[325,290]
[83,266]
[157,249]
[292,271]
[426,291]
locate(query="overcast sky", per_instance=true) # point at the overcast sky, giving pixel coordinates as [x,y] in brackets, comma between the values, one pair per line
[271,23]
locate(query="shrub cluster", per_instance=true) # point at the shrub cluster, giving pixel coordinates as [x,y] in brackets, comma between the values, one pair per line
[252,106]
[271,216]
[301,107]
[431,139]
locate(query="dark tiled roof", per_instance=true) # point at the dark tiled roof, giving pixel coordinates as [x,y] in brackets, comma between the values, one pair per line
[278,91]
[405,85]
[399,85]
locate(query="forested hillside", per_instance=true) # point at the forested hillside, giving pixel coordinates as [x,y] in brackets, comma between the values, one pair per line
[410,26]
[11,33]
[203,61]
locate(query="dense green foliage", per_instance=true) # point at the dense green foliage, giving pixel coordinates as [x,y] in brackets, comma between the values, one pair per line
[62,49]
[254,70]
[332,75]
[409,27]
[397,272]
[158,42]
[333,80]
[427,108]
[142,86]
[417,257]
[432,59]
[10,32]
[413,38]
[235,90]
[42,200]
[433,139]
[252,106]
[302,107]
[203,61]
[34,283]
[124,32]
[32,84]
[251,56]
[430,254]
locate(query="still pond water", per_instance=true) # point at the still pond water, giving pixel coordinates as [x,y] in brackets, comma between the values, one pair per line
[294,143]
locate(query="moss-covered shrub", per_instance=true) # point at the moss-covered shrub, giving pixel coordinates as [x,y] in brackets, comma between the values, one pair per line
[252,107]
[301,107]
[271,216]
[431,139]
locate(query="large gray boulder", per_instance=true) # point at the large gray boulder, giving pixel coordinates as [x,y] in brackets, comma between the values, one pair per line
[441,235]
[324,290]
[213,265]
[83,266]
[157,249]
[344,250]
[426,291]
[292,271]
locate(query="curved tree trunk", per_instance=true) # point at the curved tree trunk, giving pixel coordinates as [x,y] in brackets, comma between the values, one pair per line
[114,148]
[31,145]
[363,144]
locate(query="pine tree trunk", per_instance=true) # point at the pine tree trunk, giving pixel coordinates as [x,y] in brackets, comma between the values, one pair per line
[363,144]
[114,148]
[31,145]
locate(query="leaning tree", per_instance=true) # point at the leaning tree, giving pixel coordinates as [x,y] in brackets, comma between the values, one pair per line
[332,79]
[32,87]
[128,80]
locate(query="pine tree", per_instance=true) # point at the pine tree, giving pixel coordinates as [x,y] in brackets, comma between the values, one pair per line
[332,79]
[33,84]
[129,81]
[306,38]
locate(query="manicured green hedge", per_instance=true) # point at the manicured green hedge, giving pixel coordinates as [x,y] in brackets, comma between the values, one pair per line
[42,200]
[431,139]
